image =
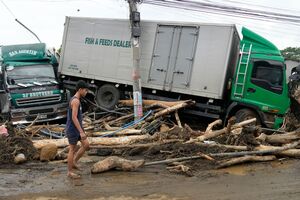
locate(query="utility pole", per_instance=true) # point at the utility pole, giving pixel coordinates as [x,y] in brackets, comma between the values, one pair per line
[135,42]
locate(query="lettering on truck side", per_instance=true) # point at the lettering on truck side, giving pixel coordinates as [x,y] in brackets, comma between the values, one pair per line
[37,94]
[23,51]
[108,42]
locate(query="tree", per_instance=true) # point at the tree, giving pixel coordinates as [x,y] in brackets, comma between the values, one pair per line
[291,53]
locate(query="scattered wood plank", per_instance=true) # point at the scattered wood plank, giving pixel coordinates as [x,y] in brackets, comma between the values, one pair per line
[114,162]
[216,133]
[119,133]
[211,125]
[178,119]
[137,145]
[244,159]
[280,138]
[171,109]
[38,144]
[151,103]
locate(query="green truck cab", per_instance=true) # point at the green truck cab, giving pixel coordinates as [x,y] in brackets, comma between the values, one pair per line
[29,88]
[259,87]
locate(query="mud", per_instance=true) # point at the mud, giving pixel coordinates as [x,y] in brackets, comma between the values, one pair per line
[272,180]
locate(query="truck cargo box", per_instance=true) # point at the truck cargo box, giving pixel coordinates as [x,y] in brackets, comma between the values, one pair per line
[189,58]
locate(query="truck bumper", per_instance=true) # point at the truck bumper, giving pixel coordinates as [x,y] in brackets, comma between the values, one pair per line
[46,113]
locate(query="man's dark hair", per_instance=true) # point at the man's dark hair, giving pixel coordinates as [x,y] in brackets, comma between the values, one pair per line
[81,84]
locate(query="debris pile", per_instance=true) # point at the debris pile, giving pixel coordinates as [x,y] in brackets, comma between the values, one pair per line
[160,137]
[14,146]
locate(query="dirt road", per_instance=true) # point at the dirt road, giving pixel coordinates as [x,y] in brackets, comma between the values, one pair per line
[272,180]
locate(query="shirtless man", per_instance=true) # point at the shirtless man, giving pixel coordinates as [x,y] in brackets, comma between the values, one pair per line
[74,129]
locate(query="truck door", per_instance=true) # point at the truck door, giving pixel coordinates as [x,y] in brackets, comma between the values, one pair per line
[173,56]
[266,86]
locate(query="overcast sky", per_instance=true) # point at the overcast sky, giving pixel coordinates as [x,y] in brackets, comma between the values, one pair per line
[46,18]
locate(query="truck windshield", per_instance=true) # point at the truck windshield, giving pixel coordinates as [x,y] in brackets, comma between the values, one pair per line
[31,72]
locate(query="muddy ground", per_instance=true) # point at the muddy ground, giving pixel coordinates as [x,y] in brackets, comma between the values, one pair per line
[36,180]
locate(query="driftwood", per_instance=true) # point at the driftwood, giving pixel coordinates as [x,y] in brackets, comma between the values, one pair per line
[194,133]
[294,153]
[125,117]
[280,138]
[119,133]
[216,133]
[109,128]
[178,119]
[136,145]
[178,168]
[211,125]
[38,144]
[229,154]
[235,161]
[171,109]
[151,103]
[255,152]
[114,162]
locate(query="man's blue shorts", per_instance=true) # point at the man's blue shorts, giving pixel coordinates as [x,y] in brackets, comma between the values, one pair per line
[73,138]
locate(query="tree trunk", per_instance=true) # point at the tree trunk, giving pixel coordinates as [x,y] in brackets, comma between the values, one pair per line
[38,144]
[170,109]
[114,162]
[235,161]
[280,138]
[151,102]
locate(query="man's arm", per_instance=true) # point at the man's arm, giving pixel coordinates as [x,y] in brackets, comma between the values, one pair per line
[75,106]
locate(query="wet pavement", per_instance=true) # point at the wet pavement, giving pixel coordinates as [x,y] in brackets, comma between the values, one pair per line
[271,180]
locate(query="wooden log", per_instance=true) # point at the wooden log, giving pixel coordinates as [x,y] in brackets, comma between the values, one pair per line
[136,145]
[227,147]
[109,128]
[279,138]
[119,133]
[38,144]
[151,103]
[178,119]
[293,153]
[216,133]
[103,119]
[194,133]
[235,161]
[228,154]
[114,162]
[125,117]
[244,123]
[211,125]
[171,109]
[255,152]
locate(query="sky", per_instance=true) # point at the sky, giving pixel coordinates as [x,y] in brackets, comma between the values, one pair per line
[46,18]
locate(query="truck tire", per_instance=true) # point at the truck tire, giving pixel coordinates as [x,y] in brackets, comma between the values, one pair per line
[245,114]
[107,96]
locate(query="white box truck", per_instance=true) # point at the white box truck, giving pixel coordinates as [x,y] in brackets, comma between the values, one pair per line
[178,61]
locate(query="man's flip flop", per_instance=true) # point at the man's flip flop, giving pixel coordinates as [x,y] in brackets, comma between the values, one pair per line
[73,175]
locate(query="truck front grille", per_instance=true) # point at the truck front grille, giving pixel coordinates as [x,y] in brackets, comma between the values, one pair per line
[46,110]
[32,101]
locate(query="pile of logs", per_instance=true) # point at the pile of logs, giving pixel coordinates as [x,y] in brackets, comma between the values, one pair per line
[240,141]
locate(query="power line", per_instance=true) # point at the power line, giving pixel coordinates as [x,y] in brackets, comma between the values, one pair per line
[19,22]
[8,9]
[227,10]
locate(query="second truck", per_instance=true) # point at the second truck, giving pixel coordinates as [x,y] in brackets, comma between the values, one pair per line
[29,87]
[208,63]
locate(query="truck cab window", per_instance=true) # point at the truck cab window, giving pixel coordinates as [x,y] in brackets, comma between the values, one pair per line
[268,76]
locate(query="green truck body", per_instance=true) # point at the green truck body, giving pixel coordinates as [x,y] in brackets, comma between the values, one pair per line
[260,79]
[29,88]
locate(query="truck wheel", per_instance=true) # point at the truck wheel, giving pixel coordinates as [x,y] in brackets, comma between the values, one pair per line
[245,114]
[107,96]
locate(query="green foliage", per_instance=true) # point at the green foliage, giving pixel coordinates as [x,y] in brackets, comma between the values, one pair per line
[291,53]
